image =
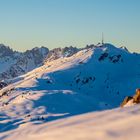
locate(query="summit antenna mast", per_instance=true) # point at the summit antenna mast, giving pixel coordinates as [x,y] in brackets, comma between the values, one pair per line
[102,38]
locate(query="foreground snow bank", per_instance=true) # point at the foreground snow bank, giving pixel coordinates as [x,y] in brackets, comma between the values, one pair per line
[120,124]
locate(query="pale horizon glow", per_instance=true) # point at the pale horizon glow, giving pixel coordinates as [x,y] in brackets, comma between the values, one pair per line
[59,23]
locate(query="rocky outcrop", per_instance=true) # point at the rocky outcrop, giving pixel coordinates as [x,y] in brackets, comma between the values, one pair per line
[132,100]
[136,97]
[126,100]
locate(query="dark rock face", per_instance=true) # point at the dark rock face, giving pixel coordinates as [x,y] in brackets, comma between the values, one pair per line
[113,59]
[135,99]
[103,56]
[2,85]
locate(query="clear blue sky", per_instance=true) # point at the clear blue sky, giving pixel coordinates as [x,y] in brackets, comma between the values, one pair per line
[25,24]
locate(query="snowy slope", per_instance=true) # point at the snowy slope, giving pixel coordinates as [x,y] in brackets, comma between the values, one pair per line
[93,79]
[117,124]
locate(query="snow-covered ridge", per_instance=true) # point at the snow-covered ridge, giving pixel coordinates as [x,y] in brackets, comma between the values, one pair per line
[93,79]
[14,63]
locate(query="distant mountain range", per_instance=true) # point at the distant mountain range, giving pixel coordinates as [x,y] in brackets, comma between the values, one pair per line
[14,63]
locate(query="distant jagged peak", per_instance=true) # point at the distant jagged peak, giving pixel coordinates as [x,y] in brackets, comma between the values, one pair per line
[2,45]
[5,50]
[69,51]
[40,51]
[42,48]
[61,52]
[90,46]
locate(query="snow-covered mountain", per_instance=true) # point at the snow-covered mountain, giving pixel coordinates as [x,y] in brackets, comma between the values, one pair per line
[91,79]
